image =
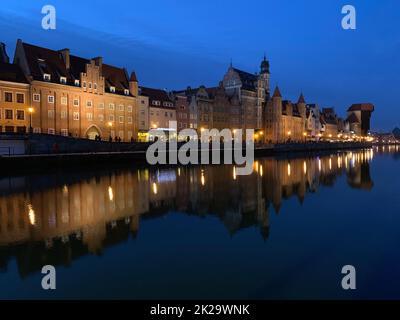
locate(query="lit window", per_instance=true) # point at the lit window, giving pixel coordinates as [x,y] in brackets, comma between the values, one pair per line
[112,89]
[63,80]
[126,91]
[51,131]
[76,82]
[46,77]
[64,132]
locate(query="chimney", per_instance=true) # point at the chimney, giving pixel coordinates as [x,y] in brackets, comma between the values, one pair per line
[3,53]
[65,54]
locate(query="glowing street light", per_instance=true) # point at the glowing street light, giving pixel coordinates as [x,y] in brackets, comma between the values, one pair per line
[30,110]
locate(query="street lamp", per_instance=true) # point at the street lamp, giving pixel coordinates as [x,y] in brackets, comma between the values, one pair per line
[30,110]
[110,124]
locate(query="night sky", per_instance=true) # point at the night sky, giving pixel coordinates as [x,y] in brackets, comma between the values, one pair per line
[173,44]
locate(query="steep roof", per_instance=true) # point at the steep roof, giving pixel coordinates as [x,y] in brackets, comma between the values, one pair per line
[156,95]
[42,60]
[12,73]
[277,93]
[248,80]
[301,99]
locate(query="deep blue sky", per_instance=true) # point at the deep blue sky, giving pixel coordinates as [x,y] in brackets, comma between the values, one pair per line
[175,43]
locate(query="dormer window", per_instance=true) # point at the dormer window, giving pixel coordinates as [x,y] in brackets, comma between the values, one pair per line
[63,80]
[46,77]
[112,89]
[126,91]
[76,83]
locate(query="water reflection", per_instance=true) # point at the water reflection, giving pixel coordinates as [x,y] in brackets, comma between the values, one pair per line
[56,219]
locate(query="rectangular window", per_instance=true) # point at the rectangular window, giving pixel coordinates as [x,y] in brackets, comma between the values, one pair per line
[95,86]
[101,105]
[112,89]
[20,115]
[63,80]
[64,132]
[111,106]
[129,119]
[20,98]
[76,82]
[89,116]
[50,114]
[89,104]
[8,97]
[121,119]
[90,85]
[126,91]
[121,107]
[84,85]
[50,99]
[111,117]
[76,115]
[129,108]
[46,77]
[51,131]
[63,114]
[37,130]
[76,102]
[64,101]
[36,97]
[8,114]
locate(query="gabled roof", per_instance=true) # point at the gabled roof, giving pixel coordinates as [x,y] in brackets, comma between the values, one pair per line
[42,60]
[12,73]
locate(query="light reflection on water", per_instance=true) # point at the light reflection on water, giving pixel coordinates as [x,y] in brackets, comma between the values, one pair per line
[57,219]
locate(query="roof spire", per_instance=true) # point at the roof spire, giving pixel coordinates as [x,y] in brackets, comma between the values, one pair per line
[301,99]
[231,65]
[277,93]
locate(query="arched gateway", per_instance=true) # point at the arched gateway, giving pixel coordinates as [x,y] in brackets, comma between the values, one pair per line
[92,132]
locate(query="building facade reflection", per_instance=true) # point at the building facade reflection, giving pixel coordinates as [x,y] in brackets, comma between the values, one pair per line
[62,220]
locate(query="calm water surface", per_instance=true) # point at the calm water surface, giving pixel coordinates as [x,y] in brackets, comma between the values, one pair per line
[202,232]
